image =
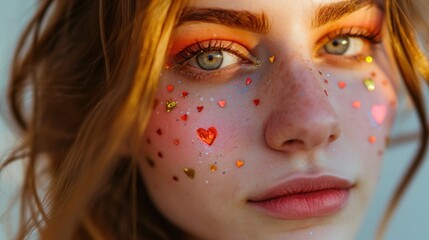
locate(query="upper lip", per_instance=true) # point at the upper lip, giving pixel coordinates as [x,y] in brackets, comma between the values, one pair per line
[301,185]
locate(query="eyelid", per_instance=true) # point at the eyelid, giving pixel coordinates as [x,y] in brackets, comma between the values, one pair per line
[370,36]
[247,64]
[214,45]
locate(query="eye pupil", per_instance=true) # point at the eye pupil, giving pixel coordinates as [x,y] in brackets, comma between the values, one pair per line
[210,60]
[337,46]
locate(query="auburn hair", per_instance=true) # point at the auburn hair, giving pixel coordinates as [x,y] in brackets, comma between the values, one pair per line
[91,69]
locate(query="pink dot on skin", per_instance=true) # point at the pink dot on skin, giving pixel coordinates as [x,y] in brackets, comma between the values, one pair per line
[356,104]
[378,113]
[326,81]
[372,139]
[176,142]
[184,117]
[222,103]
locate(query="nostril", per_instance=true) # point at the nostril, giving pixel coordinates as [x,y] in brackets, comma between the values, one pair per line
[293,143]
[332,138]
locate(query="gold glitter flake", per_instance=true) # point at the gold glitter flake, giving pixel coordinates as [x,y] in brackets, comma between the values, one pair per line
[272,59]
[369,84]
[213,168]
[190,172]
[239,163]
[368,59]
[170,105]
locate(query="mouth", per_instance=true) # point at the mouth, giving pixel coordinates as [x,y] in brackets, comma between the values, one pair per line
[304,197]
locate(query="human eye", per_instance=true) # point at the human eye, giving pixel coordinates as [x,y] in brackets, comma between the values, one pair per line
[217,60]
[347,45]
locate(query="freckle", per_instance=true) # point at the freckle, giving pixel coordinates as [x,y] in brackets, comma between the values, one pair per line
[387,141]
[373,74]
[160,155]
[320,72]
[326,81]
[380,153]
[384,82]
[326,92]
[148,141]
[175,178]
[176,142]
[159,131]
[150,162]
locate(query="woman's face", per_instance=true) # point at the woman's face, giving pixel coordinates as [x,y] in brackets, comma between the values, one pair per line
[271,119]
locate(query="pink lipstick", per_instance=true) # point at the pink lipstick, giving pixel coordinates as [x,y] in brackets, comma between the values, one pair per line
[304,197]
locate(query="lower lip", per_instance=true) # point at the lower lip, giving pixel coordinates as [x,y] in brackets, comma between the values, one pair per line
[305,205]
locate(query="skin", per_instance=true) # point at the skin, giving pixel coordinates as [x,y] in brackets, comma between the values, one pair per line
[297,129]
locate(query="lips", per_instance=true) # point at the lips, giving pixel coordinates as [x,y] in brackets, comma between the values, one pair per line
[303,197]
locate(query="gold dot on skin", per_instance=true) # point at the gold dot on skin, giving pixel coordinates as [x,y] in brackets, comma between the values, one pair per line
[189,172]
[213,168]
[170,105]
[368,59]
[369,84]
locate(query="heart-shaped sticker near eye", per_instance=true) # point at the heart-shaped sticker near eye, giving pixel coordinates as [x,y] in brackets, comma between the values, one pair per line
[378,113]
[207,136]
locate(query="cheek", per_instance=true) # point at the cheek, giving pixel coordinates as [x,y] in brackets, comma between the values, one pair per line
[366,105]
[190,133]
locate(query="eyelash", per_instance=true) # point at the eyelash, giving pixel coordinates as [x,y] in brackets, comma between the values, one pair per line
[247,61]
[373,37]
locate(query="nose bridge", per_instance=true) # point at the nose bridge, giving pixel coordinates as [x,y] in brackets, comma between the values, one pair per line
[302,117]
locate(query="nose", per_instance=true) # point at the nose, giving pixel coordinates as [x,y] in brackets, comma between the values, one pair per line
[302,118]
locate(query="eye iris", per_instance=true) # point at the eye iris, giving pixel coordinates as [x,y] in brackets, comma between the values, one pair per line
[338,46]
[210,60]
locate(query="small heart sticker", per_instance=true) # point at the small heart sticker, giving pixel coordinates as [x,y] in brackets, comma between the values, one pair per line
[379,112]
[222,103]
[207,136]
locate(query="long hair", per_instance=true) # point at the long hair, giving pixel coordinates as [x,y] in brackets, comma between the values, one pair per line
[91,69]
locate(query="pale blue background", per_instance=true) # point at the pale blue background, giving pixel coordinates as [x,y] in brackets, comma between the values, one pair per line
[411,220]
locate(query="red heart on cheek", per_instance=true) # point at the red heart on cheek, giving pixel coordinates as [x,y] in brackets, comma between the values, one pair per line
[207,136]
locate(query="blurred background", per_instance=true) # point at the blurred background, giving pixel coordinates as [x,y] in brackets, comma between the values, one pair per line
[409,222]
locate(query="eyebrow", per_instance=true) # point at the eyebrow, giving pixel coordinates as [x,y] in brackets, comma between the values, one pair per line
[330,12]
[244,20]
